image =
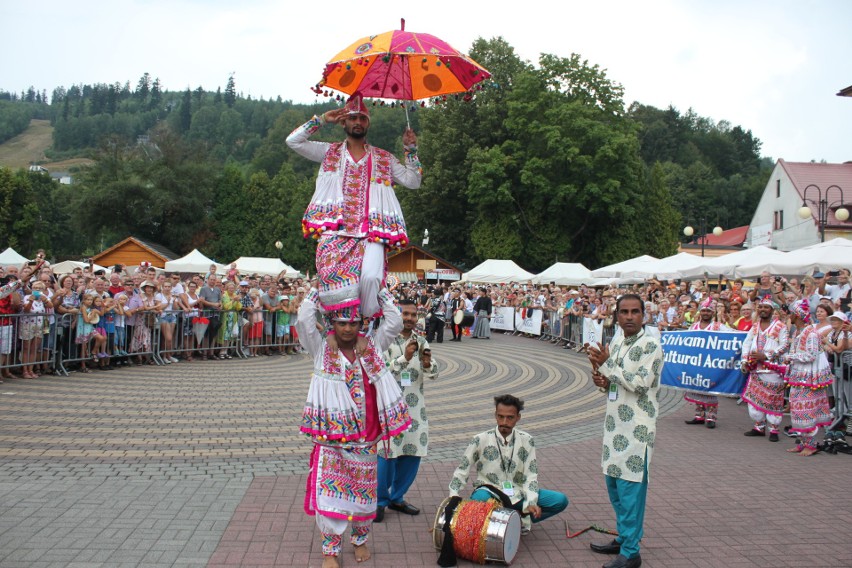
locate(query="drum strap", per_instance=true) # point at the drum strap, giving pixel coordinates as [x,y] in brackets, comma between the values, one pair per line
[448,552]
[502,497]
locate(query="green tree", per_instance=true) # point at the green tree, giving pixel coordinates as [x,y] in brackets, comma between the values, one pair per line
[230,91]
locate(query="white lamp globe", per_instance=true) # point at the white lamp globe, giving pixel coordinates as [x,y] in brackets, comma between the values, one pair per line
[841,214]
[804,212]
[718,231]
[688,231]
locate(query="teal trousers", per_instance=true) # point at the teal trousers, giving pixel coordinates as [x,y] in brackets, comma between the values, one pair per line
[628,501]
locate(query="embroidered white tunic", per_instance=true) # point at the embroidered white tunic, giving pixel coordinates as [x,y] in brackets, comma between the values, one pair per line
[630,427]
[375,213]
[414,441]
[496,461]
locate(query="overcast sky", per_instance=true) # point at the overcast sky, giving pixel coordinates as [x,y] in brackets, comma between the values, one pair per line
[771,66]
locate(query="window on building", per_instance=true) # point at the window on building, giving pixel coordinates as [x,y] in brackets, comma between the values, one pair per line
[777,188]
[778,222]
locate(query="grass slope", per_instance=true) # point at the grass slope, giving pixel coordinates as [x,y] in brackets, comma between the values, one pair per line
[29,146]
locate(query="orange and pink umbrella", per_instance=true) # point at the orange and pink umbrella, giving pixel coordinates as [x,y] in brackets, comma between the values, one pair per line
[402,65]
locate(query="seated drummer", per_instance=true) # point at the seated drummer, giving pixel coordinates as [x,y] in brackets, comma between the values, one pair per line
[505,459]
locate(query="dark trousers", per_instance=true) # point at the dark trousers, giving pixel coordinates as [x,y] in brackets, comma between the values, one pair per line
[435,328]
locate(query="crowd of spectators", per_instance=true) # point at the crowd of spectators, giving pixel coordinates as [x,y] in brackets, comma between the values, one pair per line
[669,305]
[140,315]
[82,320]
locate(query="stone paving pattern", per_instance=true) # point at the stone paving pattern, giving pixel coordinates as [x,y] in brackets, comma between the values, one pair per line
[200,464]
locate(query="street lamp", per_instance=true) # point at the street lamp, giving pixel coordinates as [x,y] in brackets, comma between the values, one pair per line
[841,213]
[425,237]
[279,245]
[689,231]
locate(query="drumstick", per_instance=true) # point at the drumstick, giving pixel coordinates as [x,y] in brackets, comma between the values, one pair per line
[592,527]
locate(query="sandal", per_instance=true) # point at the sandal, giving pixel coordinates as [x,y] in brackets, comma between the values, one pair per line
[228,356]
[84,370]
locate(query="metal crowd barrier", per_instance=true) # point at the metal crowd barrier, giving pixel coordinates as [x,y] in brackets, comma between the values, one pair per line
[75,352]
[26,342]
[220,334]
[551,326]
[842,390]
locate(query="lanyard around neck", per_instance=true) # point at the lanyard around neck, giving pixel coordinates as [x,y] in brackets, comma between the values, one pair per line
[503,466]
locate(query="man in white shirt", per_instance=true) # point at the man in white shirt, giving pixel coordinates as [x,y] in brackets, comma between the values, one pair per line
[504,459]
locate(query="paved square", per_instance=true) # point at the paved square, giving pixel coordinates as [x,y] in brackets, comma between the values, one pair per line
[200,464]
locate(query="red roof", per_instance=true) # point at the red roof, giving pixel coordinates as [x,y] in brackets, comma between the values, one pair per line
[731,238]
[830,178]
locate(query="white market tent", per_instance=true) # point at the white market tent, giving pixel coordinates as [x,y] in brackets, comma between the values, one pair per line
[11,256]
[668,268]
[193,262]
[732,264]
[830,255]
[494,271]
[625,268]
[566,274]
[264,266]
[68,266]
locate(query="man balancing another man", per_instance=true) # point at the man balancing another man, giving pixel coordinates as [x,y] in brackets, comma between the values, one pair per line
[353,402]
[354,213]
[505,461]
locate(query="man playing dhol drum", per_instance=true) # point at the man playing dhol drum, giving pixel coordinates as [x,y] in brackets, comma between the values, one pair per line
[505,459]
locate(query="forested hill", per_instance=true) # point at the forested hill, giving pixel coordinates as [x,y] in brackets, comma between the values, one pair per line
[546,164]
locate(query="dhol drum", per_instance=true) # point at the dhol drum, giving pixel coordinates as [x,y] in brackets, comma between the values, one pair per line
[482,531]
[463,319]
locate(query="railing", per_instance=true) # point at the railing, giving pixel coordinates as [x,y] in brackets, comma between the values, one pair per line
[53,343]
[26,342]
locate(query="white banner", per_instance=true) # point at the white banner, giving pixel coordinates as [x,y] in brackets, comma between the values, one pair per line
[442,274]
[529,324]
[503,319]
[592,331]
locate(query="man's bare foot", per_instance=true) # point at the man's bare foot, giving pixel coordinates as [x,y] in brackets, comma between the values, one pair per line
[362,553]
[330,562]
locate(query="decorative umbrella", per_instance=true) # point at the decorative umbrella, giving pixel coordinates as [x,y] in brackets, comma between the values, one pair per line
[199,327]
[401,65]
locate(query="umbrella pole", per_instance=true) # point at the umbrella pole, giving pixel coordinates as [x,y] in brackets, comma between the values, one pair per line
[407,120]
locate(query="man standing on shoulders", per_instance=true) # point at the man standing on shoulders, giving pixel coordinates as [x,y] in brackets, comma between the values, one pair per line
[504,459]
[354,213]
[766,341]
[410,360]
[629,370]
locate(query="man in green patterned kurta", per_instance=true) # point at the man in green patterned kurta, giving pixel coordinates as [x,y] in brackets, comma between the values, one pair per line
[410,361]
[629,371]
[504,459]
